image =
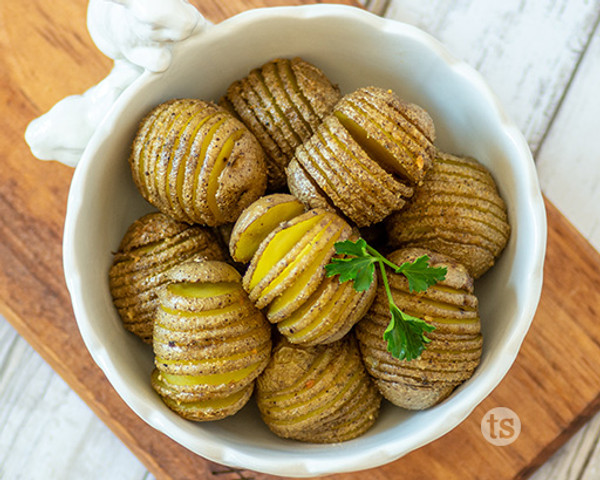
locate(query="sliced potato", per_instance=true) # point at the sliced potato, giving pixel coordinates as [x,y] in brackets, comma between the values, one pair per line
[287,278]
[343,180]
[151,246]
[282,102]
[457,211]
[197,163]
[210,342]
[270,258]
[454,351]
[327,315]
[289,264]
[258,220]
[366,156]
[317,394]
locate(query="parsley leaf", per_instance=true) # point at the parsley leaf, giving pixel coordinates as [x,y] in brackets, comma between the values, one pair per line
[348,247]
[358,269]
[405,334]
[420,275]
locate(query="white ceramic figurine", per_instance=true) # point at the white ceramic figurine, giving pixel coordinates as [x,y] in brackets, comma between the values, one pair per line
[138,35]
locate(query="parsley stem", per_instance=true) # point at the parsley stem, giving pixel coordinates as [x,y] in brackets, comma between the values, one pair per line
[386,283]
[381,258]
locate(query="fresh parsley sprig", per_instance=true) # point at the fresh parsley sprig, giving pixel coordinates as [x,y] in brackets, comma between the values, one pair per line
[405,334]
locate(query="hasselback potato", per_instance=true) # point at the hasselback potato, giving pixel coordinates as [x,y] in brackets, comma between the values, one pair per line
[455,347]
[210,342]
[196,162]
[458,212]
[282,103]
[366,158]
[286,278]
[318,394]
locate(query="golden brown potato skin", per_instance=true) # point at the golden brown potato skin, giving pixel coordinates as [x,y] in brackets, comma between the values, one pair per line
[209,347]
[455,348]
[458,212]
[282,103]
[151,246]
[317,394]
[196,162]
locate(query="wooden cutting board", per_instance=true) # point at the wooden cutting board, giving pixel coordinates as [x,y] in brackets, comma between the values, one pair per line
[46,54]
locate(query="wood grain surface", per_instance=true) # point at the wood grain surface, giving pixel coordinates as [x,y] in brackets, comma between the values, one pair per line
[554,386]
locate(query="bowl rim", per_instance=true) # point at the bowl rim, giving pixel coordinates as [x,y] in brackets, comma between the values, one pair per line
[223,453]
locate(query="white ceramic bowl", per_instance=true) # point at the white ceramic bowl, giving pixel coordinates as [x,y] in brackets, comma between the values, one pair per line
[355,49]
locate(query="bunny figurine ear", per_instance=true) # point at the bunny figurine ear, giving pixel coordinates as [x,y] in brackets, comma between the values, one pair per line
[138,35]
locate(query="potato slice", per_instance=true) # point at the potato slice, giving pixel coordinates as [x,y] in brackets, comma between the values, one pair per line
[282,102]
[328,314]
[258,220]
[210,342]
[305,268]
[270,258]
[317,394]
[455,347]
[151,246]
[457,211]
[303,187]
[197,163]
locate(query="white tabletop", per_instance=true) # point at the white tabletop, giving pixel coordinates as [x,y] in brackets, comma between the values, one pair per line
[541,57]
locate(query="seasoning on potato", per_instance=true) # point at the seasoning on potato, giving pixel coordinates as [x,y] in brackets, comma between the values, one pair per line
[197,163]
[210,342]
[151,246]
[458,212]
[318,394]
[282,103]
[366,157]
[454,350]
